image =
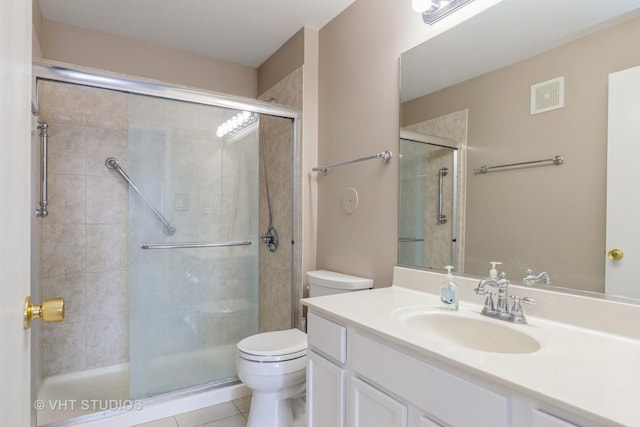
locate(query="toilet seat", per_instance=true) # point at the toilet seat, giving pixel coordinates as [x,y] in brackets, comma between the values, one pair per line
[274,346]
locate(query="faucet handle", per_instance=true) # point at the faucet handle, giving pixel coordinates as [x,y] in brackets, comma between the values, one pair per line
[518,299]
[516,309]
[531,279]
[489,308]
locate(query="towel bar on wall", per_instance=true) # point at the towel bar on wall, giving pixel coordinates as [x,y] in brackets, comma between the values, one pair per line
[557,160]
[384,155]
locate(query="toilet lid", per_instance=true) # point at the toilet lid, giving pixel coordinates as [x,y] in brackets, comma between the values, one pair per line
[274,346]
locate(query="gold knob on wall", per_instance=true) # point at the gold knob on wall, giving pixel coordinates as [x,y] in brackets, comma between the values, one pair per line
[50,311]
[615,254]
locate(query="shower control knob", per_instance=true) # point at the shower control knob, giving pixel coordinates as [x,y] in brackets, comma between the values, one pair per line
[50,311]
[270,238]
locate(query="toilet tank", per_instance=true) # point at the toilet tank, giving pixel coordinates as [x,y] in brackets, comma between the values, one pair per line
[324,282]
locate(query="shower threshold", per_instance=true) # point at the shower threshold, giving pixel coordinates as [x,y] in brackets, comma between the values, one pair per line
[110,404]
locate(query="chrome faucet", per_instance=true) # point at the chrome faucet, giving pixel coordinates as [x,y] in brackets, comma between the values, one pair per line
[531,279]
[501,308]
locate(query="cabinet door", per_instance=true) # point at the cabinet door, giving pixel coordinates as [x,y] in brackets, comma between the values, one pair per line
[426,422]
[371,407]
[542,419]
[325,392]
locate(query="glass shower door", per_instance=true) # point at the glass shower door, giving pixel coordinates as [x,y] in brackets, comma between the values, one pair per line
[191,300]
[427,223]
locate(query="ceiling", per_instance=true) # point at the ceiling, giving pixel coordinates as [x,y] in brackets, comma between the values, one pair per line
[245,32]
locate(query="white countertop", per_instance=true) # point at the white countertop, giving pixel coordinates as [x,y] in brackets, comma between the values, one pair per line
[591,373]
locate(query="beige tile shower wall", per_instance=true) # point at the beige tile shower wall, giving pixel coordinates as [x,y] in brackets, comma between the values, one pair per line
[83,246]
[275,267]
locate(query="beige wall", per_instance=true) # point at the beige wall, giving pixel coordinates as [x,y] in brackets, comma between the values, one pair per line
[36,17]
[308,202]
[547,218]
[289,57]
[358,116]
[80,46]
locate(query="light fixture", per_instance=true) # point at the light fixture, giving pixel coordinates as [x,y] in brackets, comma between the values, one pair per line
[421,6]
[236,123]
[434,10]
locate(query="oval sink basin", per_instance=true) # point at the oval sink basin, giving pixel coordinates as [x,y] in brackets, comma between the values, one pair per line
[469,332]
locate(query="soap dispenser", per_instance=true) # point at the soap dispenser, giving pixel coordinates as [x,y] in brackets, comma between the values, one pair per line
[493,273]
[449,291]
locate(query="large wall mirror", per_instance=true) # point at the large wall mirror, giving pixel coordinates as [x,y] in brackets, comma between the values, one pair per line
[523,81]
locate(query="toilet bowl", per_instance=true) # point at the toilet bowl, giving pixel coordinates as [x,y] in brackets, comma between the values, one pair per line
[273,364]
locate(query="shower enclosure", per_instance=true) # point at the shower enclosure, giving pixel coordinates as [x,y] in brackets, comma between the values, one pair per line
[428,214]
[152,236]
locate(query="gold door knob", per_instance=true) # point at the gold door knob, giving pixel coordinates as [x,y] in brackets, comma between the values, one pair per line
[615,254]
[50,311]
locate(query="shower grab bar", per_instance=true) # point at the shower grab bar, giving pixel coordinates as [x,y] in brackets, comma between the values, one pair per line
[410,239]
[557,160]
[385,155]
[191,245]
[44,144]
[442,218]
[112,163]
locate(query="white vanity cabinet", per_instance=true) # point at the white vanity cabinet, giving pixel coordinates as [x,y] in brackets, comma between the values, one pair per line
[386,387]
[326,376]
[434,396]
[372,407]
[356,378]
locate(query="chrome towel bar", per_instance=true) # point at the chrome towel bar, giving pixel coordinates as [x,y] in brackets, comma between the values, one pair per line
[385,155]
[113,164]
[193,245]
[557,160]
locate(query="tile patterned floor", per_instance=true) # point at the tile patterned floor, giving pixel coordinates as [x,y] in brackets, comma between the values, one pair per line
[230,414]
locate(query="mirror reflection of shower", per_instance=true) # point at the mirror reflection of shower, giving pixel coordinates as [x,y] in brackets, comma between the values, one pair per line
[428,200]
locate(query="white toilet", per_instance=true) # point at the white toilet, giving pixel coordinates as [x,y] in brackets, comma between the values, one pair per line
[273,364]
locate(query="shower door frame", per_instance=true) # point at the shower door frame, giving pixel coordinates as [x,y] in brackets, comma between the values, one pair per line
[459,190]
[103,80]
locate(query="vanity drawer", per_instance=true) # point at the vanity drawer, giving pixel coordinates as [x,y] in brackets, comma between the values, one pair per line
[451,399]
[327,337]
